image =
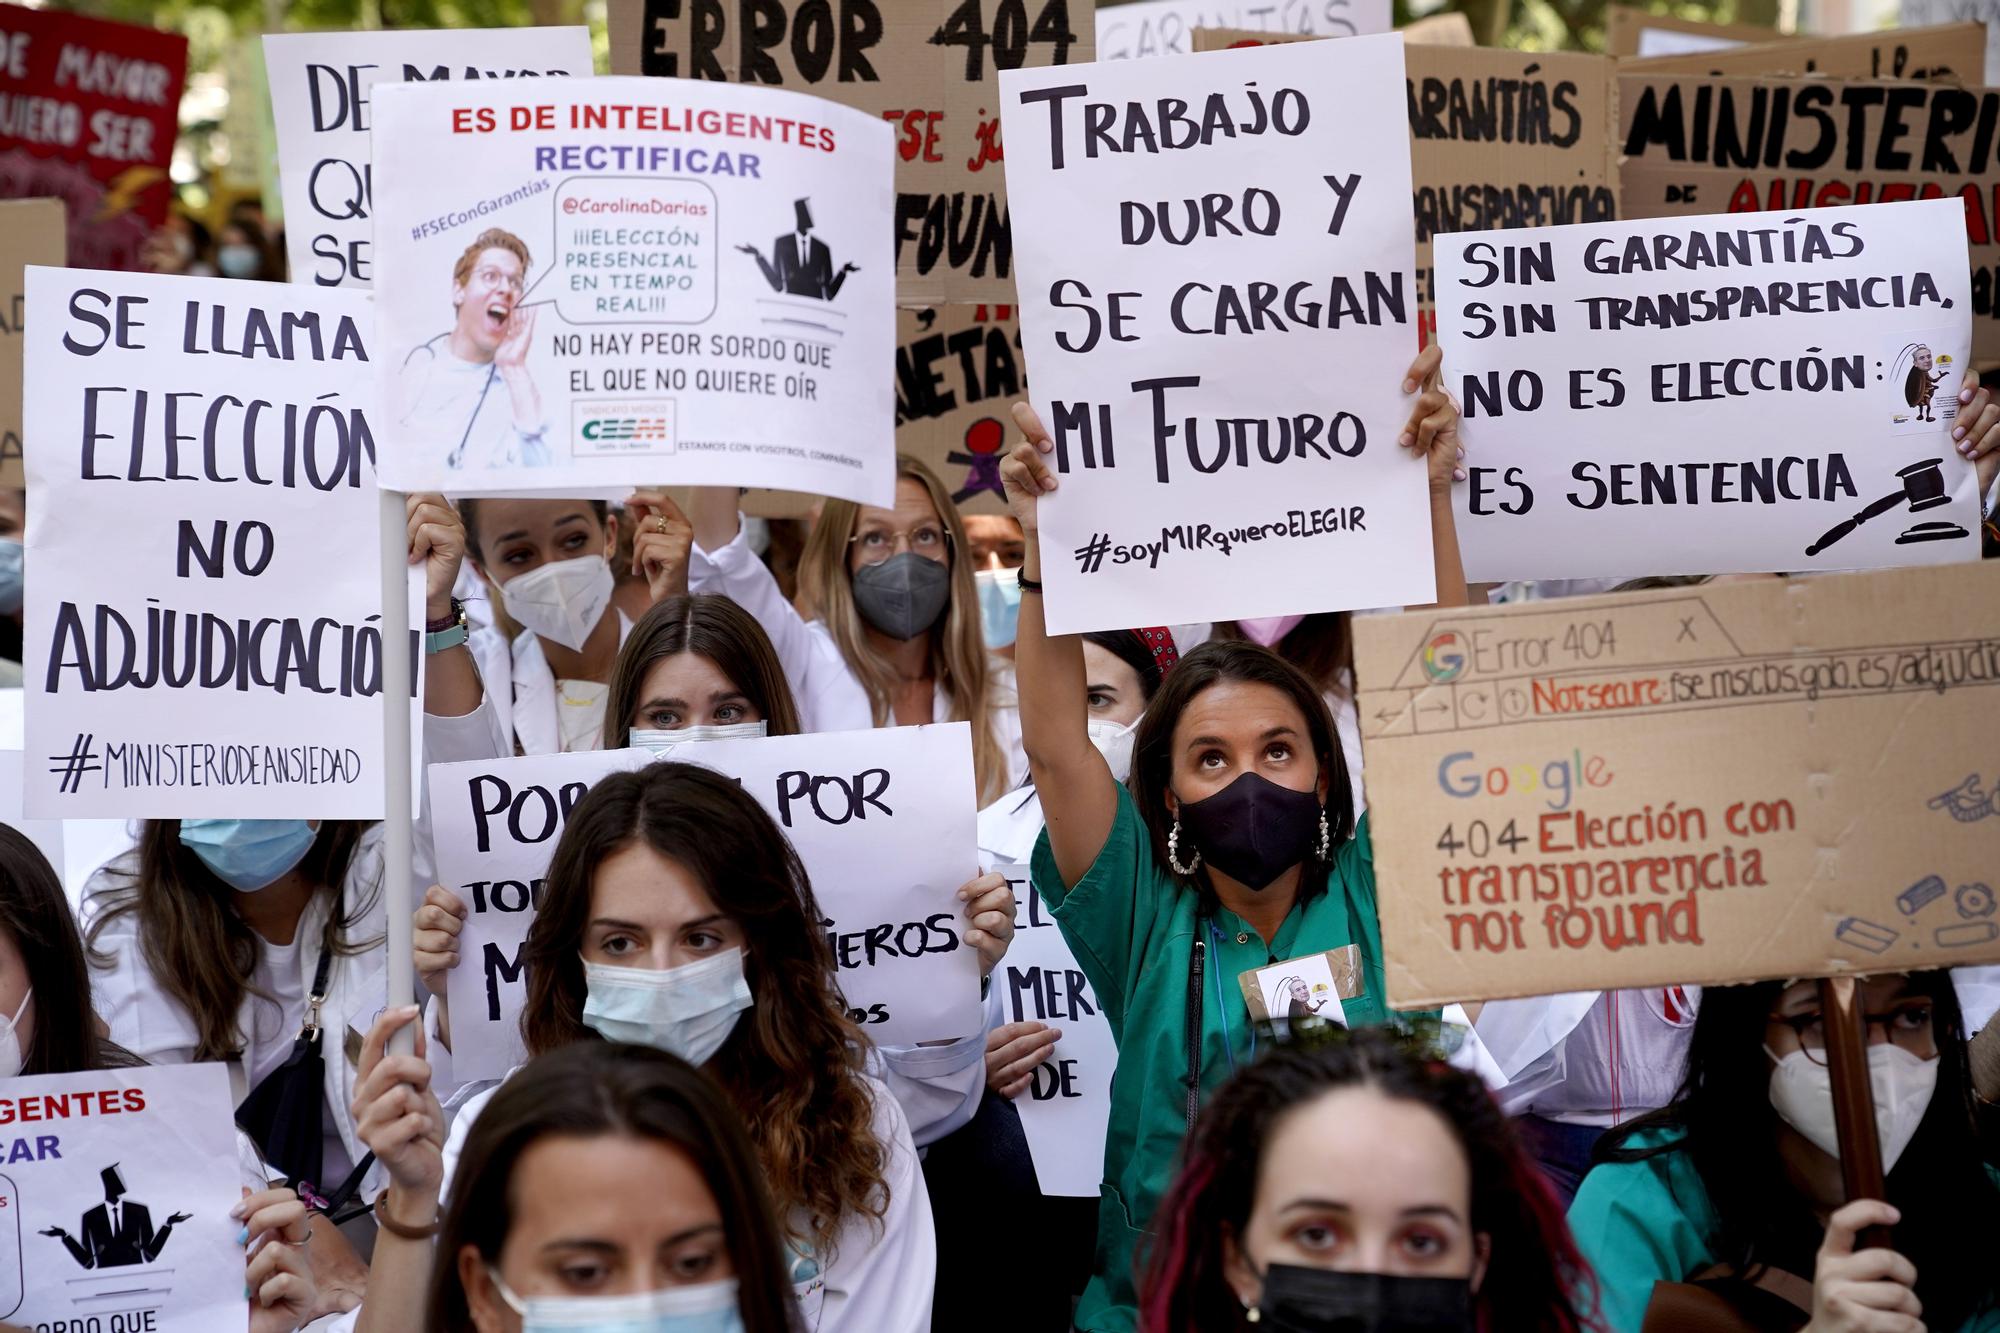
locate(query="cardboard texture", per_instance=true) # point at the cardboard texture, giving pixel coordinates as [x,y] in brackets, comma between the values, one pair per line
[1624,26]
[929,69]
[1700,145]
[31,232]
[1723,783]
[91,113]
[959,369]
[1947,53]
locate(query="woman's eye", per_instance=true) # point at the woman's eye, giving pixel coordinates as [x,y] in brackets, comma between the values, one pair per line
[693,1265]
[729,714]
[574,541]
[929,539]
[619,944]
[1424,1244]
[1316,1236]
[1279,752]
[514,558]
[583,1275]
[703,940]
[872,540]
[1099,699]
[1914,1020]
[1212,759]
[664,719]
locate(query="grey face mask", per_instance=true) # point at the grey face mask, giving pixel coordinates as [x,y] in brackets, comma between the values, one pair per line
[904,595]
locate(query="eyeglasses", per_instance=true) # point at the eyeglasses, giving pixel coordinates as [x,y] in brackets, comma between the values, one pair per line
[490,276]
[929,540]
[1907,1024]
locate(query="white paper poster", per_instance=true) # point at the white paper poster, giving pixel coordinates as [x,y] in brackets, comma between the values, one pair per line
[495,824]
[1067,1103]
[322,86]
[632,280]
[1671,42]
[1218,305]
[1736,393]
[883,820]
[202,622]
[1166,27]
[115,1191]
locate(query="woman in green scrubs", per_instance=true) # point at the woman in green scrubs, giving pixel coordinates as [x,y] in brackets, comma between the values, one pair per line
[1232,851]
[1741,1170]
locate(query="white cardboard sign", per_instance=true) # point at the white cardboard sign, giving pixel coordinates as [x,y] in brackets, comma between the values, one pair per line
[883,820]
[201,627]
[1166,27]
[159,1140]
[1218,304]
[1711,395]
[321,90]
[631,280]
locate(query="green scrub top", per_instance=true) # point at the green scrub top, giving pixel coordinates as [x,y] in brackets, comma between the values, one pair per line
[1132,928]
[1651,1221]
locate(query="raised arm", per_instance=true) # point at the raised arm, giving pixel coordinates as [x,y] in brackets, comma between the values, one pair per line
[1079,795]
[1432,434]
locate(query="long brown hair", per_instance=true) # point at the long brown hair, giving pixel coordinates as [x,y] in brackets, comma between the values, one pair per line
[793,1064]
[1321,645]
[710,626]
[595,1090]
[34,911]
[958,646]
[197,946]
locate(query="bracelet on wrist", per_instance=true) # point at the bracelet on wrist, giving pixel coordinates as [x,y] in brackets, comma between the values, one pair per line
[402,1230]
[1030,585]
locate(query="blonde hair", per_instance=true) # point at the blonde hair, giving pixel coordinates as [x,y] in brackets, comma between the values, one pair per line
[958,646]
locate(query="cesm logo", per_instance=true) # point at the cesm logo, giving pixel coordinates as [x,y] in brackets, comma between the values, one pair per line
[1444,657]
[623,427]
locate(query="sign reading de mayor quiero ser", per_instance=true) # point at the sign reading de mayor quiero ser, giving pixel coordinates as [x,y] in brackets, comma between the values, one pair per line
[627,281]
[1719,783]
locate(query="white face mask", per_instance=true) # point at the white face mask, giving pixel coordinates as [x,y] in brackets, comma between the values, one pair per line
[562,600]
[1114,741]
[640,738]
[1802,1093]
[710,1307]
[686,1011]
[12,1057]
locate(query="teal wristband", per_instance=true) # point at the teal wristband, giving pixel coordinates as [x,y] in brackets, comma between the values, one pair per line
[444,640]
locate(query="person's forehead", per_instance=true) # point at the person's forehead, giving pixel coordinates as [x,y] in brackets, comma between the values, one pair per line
[494,256]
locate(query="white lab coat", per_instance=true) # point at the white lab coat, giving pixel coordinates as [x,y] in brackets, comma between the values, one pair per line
[829,695]
[521,690]
[880,1280]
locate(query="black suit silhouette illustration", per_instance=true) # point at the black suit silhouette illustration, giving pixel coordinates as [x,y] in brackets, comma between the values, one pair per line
[116,1234]
[800,263]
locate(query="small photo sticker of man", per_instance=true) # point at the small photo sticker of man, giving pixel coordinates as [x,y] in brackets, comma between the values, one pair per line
[468,393]
[1921,387]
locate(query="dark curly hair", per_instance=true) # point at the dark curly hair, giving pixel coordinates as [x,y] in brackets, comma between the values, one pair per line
[1535,1280]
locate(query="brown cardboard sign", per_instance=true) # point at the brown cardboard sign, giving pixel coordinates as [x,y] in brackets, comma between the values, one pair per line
[1625,27]
[1741,145]
[959,370]
[1947,52]
[31,232]
[1723,783]
[930,69]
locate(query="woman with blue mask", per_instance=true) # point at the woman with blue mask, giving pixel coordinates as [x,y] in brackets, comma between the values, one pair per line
[607,1187]
[677,916]
[262,942]
[1736,1184]
[891,633]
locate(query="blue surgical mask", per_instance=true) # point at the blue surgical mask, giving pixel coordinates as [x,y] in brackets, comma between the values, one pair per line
[11,581]
[687,1011]
[999,605]
[643,738]
[248,854]
[710,1307]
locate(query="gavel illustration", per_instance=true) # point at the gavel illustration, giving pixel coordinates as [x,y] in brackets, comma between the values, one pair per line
[1923,488]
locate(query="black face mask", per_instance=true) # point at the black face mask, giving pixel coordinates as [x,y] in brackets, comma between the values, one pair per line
[1319,1300]
[1253,830]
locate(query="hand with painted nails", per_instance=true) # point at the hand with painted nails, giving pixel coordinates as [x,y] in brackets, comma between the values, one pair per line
[278,1276]
[1432,430]
[1976,433]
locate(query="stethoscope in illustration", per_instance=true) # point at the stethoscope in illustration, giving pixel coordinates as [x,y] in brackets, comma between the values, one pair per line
[456,458]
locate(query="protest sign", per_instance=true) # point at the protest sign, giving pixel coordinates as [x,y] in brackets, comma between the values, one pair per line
[116,1187]
[1167,27]
[1916,13]
[1630,31]
[1438,30]
[204,644]
[1546,787]
[1946,53]
[927,69]
[88,114]
[321,88]
[31,232]
[1712,395]
[1067,1103]
[882,820]
[593,297]
[1218,308]
[1740,144]
[495,824]
[958,372]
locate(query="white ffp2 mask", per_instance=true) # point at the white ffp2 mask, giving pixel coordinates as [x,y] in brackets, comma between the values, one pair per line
[1802,1094]
[687,1011]
[1114,741]
[12,1056]
[561,600]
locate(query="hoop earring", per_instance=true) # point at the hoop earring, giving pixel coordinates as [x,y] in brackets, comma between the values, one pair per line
[1325,838]
[1174,853]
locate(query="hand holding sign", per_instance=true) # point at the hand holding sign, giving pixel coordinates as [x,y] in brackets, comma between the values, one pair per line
[1977,433]
[398,1117]
[662,542]
[434,940]
[989,907]
[279,1276]
[1872,1291]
